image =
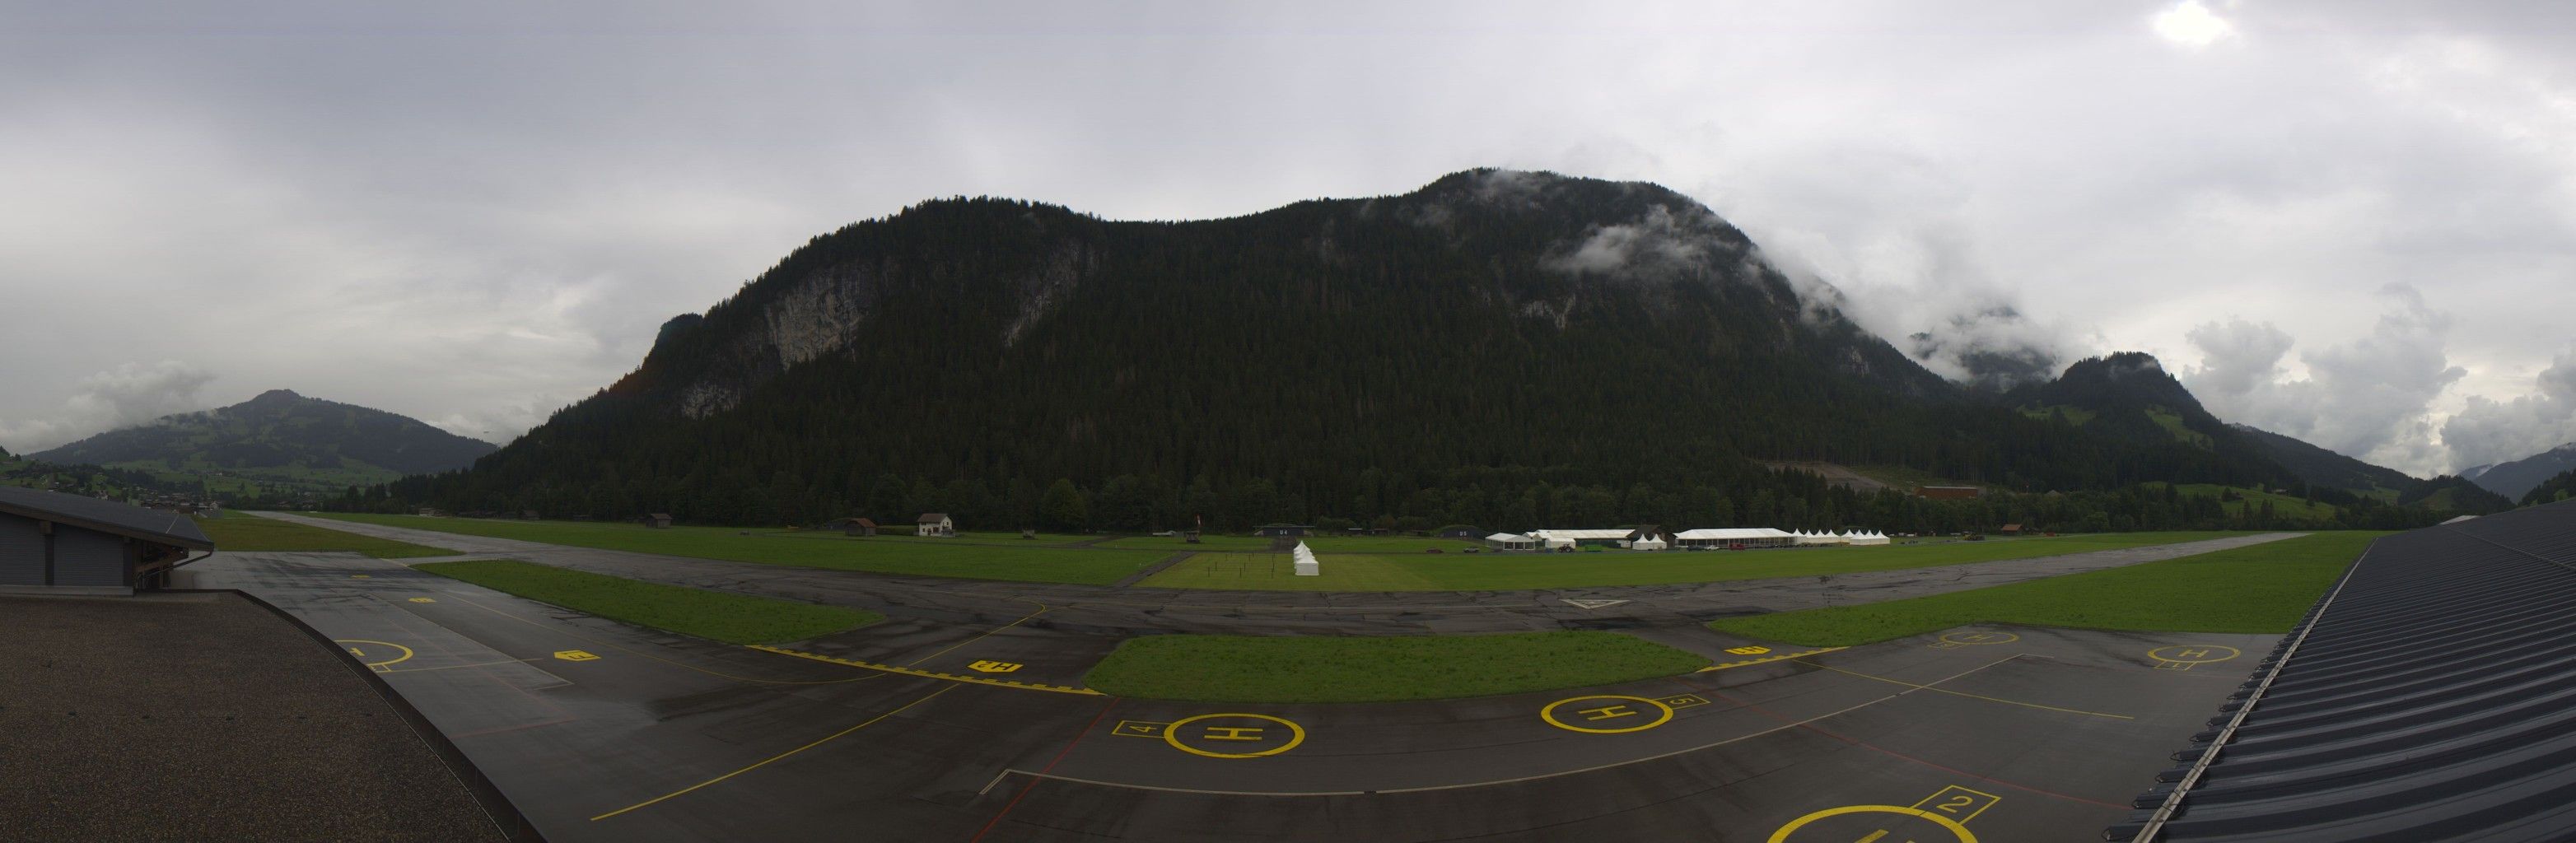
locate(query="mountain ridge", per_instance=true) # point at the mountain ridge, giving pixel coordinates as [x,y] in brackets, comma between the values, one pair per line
[2516,478]
[1495,346]
[279,436]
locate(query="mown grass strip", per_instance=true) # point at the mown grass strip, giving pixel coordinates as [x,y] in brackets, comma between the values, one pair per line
[252,533]
[2263,588]
[1315,669]
[714,615]
[1517,571]
[882,554]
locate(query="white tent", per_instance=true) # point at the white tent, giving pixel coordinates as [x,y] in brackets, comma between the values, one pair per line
[1721,538]
[1307,566]
[1863,539]
[1806,539]
[1511,541]
[1647,543]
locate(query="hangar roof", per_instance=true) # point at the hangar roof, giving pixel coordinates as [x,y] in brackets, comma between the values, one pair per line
[2431,695]
[106,516]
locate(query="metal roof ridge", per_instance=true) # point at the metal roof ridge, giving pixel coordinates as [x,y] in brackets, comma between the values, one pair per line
[2173,801]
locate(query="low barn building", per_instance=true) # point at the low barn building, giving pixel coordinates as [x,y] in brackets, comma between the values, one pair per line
[658,520]
[56,541]
[1460,531]
[1732,537]
[1511,541]
[935,524]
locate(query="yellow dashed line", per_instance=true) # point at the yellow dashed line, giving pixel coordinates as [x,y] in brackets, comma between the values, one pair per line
[1769,659]
[929,674]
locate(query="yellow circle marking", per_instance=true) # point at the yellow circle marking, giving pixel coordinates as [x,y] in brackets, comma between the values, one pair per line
[2006,639]
[1953,826]
[2231,653]
[406,651]
[1172,733]
[1549,714]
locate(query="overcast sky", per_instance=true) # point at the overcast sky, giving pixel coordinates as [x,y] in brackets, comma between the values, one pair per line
[2349,222]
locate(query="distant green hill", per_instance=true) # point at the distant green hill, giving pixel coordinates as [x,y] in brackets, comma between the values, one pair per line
[2129,397]
[2322,467]
[278,438]
[2554,489]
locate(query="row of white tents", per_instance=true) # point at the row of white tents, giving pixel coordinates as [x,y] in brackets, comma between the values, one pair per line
[1702,539]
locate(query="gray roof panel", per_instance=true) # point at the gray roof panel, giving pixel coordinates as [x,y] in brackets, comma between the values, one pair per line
[106,516]
[2430,696]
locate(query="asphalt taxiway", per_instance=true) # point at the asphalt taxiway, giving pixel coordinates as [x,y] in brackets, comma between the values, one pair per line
[968,722]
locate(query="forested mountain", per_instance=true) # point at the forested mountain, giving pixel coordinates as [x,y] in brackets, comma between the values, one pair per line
[2322,467]
[2554,489]
[1498,347]
[279,437]
[2129,397]
[2517,478]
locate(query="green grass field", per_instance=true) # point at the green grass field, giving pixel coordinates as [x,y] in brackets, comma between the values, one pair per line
[2285,506]
[1321,544]
[715,615]
[246,532]
[1227,668]
[2264,588]
[1492,571]
[945,558]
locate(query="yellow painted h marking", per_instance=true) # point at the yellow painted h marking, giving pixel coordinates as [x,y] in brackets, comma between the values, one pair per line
[1605,712]
[1232,733]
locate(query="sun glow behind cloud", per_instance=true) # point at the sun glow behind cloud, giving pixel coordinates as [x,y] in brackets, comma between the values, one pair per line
[2192,24]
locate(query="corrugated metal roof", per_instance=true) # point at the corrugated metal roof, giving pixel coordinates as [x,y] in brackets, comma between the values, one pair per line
[105,516]
[2431,695]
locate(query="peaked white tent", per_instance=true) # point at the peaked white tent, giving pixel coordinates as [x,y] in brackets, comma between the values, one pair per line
[1865,539]
[1807,539]
[1306,564]
[1648,543]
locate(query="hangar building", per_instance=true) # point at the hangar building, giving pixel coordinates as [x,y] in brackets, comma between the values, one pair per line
[50,540]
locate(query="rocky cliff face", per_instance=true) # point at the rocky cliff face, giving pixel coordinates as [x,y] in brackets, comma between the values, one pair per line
[1555,251]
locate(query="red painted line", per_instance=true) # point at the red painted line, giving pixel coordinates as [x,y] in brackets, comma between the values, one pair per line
[1050,767]
[1894,754]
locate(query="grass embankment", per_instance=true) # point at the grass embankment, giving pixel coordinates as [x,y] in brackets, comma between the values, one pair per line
[910,556]
[1228,668]
[715,615]
[2263,588]
[251,533]
[1511,571]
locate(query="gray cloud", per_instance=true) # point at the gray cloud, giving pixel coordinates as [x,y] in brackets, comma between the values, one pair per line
[2237,358]
[473,212]
[2489,431]
[128,395]
[1661,243]
[1992,347]
[2370,398]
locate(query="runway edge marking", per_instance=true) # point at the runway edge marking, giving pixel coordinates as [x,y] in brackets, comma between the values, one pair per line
[930,674]
[1768,659]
